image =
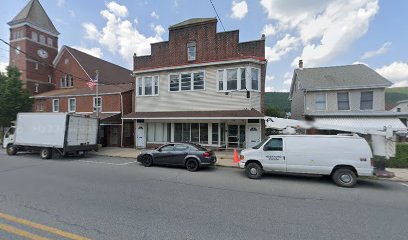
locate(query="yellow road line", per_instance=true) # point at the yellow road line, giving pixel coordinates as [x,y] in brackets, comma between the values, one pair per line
[19,232]
[42,227]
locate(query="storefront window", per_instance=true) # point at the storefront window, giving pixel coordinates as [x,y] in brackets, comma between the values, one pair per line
[215,133]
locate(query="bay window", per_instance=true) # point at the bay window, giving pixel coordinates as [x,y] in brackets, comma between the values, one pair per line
[232,79]
[147,86]
[186,81]
[246,78]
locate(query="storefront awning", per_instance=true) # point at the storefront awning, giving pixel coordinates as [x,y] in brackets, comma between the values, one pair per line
[360,123]
[194,115]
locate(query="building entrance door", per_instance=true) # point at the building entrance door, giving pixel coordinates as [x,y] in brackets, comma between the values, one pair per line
[140,135]
[236,136]
[114,136]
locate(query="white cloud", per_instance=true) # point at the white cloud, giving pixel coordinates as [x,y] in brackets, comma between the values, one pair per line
[269,89]
[120,36]
[269,78]
[358,62]
[281,48]
[60,3]
[326,28]
[117,9]
[96,52]
[397,72]
[239,9]
[382,50]
[269,30]
[3,67]
[154,15]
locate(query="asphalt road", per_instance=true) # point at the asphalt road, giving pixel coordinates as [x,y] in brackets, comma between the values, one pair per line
[113,198]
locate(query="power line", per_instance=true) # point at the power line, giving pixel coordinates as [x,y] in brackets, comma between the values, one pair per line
[215,10]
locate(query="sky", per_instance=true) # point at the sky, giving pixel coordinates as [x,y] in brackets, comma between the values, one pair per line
[321,32]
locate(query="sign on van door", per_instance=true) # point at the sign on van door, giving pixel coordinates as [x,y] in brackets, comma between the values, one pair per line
[274,158]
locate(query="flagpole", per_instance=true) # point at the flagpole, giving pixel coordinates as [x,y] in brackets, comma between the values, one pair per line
[97,92]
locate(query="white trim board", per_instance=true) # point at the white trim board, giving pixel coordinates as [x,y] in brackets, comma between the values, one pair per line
[200,65]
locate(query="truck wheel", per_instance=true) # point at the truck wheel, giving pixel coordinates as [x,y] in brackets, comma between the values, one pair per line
[11,150]
[344,177]
[46,153]
[253,171]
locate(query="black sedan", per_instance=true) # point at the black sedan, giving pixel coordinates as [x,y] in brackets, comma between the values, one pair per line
[189,155]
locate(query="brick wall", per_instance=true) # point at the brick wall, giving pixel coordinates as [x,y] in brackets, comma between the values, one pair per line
[210,45]
[67,63]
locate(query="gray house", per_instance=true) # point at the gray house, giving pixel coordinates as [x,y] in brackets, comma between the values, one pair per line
[352,95]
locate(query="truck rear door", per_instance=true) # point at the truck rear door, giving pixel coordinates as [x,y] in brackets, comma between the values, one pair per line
[273,155]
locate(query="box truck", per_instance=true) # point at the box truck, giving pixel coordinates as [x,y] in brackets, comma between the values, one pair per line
[48,133]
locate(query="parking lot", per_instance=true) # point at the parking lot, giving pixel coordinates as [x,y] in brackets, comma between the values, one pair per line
[115,198]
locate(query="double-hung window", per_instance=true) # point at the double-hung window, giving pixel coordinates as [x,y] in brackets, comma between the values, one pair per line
[97,104]
[245,78]
[42,39]
[55,105]
[343,102]
[232,79]
[320,101]
[34,36]
[255,78]
[191,51]
[366,100]
[67,81]
[71,105]
[186,81]
[147,86]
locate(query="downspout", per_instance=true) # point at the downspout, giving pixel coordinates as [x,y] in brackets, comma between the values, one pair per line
[121,110]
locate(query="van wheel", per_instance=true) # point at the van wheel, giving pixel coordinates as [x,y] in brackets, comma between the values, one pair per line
[11,150]
[344,177]
[253,171]
[46,153]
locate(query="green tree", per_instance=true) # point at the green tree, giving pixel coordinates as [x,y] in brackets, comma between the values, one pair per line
[13,99]
[274,112]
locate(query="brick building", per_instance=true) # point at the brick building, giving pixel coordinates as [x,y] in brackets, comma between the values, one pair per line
[58,79]
[200,86]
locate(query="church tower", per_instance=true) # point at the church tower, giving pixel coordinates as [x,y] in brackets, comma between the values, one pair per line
[33,33]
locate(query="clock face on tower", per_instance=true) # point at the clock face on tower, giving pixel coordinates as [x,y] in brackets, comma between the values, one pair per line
[42,53]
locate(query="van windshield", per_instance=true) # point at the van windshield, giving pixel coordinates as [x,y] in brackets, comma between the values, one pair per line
[261,143]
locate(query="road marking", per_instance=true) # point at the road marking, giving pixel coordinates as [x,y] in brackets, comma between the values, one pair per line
[107,163]
[19,232]
[42,227]
[404,184]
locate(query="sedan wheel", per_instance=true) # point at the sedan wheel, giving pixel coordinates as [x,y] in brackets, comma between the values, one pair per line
[192,165]
[147,161]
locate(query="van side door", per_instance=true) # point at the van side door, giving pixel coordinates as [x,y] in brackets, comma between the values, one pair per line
[273,155]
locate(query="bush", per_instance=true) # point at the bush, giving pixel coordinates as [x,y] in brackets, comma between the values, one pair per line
[401,157]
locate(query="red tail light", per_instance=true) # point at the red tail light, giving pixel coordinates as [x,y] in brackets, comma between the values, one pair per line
[207,154]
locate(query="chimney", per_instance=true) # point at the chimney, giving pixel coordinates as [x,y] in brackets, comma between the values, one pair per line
[300,64]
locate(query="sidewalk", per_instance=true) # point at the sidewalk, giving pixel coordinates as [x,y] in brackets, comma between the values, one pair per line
[224,159]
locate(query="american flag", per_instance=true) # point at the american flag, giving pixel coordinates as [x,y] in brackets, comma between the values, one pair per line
[91,84]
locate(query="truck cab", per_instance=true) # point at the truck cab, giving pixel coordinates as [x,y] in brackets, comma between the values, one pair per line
[8,138]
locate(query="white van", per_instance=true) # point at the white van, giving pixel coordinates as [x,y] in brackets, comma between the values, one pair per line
[343,157]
